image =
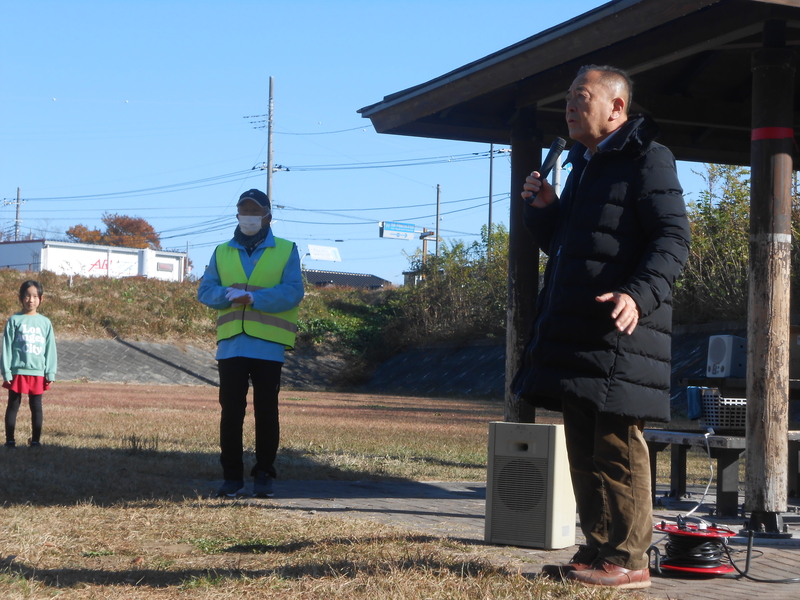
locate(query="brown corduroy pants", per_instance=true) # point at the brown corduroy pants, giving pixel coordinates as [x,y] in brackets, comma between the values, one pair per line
[610,469]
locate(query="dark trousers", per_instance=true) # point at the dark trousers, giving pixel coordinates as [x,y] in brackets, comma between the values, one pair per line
[610,467]
[35,402]
[235,375]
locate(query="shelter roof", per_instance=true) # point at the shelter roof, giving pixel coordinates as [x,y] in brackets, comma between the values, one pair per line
[690,61]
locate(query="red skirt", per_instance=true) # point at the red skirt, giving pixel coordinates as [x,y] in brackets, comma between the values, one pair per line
[27,384]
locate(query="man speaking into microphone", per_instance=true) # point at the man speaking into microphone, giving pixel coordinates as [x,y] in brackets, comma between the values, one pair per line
[599,351]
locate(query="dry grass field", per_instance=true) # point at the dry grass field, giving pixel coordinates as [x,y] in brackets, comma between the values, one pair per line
[117,502]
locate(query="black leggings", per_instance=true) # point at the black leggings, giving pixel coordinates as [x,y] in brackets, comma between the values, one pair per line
[14,400]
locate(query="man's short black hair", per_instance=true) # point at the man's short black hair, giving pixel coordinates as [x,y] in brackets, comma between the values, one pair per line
[612,76]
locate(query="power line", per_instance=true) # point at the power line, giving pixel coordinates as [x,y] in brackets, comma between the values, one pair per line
[247,174]
[175,187]
[361,209]
[224,222]
[363,128]
[410,162]
[263,119]
[93,209]
[366,221]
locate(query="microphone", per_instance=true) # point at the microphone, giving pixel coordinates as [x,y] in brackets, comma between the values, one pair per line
[556,148]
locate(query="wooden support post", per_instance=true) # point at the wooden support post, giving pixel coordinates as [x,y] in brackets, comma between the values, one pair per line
[677,465]
[770,247]
[727,481]
[653,449]
[523,258]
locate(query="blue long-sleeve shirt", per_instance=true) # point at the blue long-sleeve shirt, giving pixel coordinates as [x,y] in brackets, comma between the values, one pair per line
[284,296]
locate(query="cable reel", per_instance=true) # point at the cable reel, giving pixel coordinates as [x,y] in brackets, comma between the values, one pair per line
[699,548]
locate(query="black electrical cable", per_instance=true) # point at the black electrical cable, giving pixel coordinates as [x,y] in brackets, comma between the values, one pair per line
[745,574]
[697,553]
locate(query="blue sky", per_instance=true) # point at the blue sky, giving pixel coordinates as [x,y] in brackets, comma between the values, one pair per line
[138,107]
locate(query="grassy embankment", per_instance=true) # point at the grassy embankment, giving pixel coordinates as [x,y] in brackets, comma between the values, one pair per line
[349,323]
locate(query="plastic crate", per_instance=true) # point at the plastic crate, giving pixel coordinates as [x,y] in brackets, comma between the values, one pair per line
[724,414]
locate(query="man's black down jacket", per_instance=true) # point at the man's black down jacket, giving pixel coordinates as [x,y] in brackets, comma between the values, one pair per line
[619,226]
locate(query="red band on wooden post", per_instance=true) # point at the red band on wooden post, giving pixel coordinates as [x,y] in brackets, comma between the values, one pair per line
[772,133]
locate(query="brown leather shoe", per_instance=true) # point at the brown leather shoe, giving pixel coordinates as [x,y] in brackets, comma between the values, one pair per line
[608,574]
[581,561]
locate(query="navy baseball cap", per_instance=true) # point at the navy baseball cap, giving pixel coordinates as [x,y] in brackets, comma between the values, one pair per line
[257,196]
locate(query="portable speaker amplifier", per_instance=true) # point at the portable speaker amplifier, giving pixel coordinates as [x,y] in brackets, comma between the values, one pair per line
[727,356]
[529,499]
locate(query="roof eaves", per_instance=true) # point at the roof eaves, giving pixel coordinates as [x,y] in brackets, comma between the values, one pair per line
[464,83]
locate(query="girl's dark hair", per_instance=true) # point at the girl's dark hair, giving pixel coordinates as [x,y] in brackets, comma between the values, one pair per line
[26,284]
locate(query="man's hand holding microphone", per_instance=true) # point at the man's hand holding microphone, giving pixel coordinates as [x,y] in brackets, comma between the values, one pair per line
[537,191]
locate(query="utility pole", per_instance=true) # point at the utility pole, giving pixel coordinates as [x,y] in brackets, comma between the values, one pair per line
[424,237]
[491,177]
[438,204]
[17,221]
[269,137]
[186,262]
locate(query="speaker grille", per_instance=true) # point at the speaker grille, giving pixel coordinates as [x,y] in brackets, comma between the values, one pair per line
[717,350]
[519,499]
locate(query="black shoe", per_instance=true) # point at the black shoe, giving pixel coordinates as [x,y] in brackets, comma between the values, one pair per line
[33,444]
[262,485]
[11,444]
[230,488]
[581,561]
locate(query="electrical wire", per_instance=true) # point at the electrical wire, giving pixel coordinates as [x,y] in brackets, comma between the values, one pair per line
[708,484]
[263,119]
[711,471]
[128,208]
[385,164]
[174,187]
[746,574]
[366,221]
[247,174]
[499,198]
[363,127]
[72,211]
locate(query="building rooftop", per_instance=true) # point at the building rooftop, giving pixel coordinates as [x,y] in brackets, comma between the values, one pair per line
[335,278]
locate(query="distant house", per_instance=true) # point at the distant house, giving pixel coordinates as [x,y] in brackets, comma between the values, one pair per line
[89,260]
[412,278]
[354,280]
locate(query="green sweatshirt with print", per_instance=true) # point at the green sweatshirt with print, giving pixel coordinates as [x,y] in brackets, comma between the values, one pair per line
[29,347]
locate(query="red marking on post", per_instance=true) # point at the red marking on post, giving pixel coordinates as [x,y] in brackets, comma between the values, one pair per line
[772,133]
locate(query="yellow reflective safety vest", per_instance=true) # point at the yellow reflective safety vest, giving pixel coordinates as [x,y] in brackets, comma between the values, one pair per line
[281,327]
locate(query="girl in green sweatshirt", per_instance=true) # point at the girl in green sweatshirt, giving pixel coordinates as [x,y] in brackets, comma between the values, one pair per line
[29,360]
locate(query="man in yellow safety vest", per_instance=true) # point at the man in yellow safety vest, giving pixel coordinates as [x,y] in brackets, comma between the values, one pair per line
[254,282]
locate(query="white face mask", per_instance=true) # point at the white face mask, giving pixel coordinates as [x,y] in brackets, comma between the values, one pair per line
[249,225]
